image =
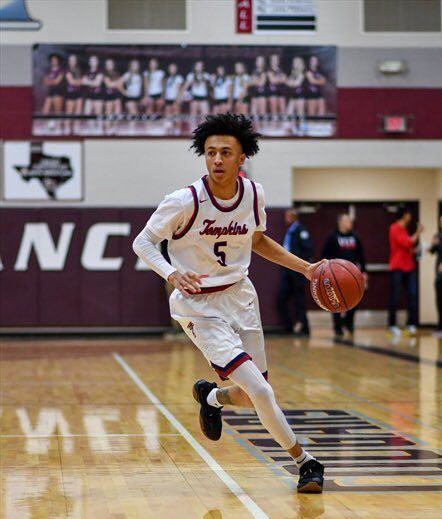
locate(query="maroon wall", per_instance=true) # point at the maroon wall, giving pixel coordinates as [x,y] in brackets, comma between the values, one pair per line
[75,296]
[359,108]
[358,111]
[15,112]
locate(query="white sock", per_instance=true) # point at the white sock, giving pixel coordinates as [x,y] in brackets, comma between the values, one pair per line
[303,458]
[211,398]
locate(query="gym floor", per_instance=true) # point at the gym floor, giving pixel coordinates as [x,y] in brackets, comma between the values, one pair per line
[107,428]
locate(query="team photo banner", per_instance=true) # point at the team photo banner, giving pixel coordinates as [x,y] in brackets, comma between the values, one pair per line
[167,90]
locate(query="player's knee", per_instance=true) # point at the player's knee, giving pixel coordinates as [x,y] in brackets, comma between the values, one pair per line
[262,394]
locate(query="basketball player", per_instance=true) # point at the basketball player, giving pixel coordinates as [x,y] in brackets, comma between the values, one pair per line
[276,79]
[53,81]
[197,83]
[212,227]
[315,85]
[74,100]
[240,88]
[132,87]
[113,87]
[296,91]
[258,89]
[153,80]
[222,91]
[173,91]
[93,83]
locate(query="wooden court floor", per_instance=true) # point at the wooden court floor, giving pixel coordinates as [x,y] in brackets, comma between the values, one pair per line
[107,429]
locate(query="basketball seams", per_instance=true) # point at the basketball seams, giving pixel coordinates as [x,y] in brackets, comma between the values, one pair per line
[317,277]
[337,284]
[321,293]
[361,290]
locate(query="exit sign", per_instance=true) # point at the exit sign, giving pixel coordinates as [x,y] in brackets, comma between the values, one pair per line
[395,123]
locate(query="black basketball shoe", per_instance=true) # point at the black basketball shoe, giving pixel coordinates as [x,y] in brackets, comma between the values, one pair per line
[210,417]
[311,477]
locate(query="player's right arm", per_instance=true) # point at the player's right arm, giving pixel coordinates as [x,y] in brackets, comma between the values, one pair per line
[169,218]
[274,252]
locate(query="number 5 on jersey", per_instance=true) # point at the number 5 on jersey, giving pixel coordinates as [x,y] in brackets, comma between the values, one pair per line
[220,253]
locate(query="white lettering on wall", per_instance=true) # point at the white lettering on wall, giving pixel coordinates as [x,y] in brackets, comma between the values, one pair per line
[50,256]
[95,245]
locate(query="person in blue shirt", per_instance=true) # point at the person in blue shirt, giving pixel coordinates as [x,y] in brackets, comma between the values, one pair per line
[292,285]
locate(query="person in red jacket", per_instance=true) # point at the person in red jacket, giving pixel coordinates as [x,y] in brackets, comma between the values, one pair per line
[402,266]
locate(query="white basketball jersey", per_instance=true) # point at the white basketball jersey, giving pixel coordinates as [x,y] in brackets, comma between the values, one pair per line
[155,82]
[211,238]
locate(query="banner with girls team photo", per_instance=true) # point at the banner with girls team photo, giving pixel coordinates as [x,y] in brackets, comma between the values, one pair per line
[166,90]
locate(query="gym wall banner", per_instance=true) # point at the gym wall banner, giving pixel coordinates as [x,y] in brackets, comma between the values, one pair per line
[42,171]
[166,90]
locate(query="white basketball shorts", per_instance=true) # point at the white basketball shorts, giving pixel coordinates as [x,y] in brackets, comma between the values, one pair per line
[225,326]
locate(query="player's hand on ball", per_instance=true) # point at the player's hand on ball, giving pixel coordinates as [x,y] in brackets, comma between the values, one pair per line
[312,267]
[187,283]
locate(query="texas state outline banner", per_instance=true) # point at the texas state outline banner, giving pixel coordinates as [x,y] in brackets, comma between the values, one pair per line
[37,170]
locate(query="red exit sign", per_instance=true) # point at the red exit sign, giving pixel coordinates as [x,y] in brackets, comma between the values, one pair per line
[395,123]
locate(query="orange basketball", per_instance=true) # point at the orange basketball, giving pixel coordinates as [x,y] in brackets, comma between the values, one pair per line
[337,286]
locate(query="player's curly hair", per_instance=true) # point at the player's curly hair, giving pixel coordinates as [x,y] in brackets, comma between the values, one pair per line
[237,126]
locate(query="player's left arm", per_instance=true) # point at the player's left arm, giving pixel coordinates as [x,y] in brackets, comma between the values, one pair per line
[272,251]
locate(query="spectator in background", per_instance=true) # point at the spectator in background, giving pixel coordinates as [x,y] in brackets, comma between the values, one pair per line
[436,248]
[343,243]
[297,241]
[402,266]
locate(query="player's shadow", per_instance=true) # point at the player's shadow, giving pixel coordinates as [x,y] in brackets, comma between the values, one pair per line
[213,514]
[310,506]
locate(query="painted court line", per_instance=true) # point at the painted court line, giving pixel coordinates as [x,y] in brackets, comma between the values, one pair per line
[109,435]
[230,483]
